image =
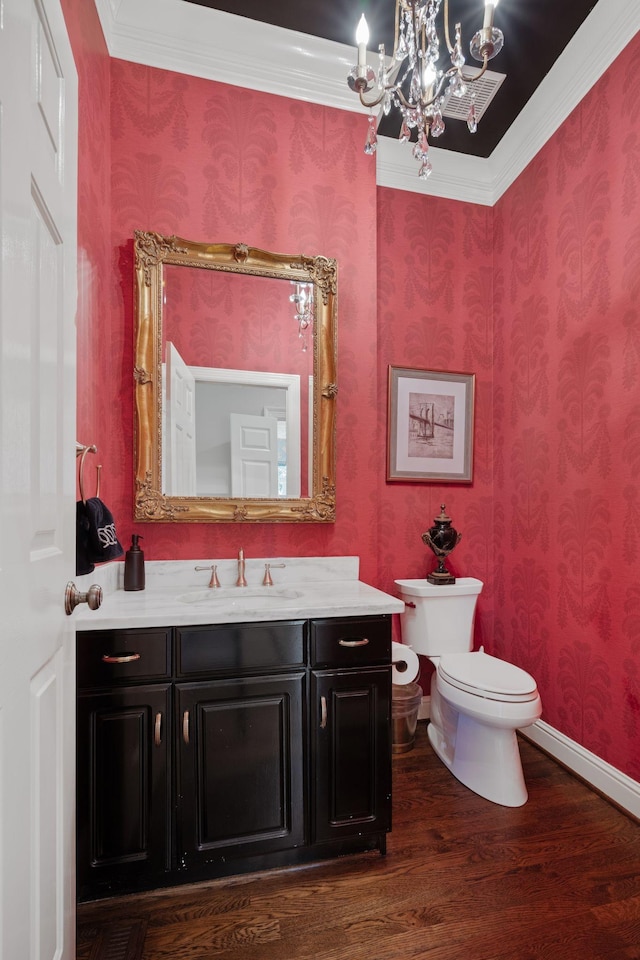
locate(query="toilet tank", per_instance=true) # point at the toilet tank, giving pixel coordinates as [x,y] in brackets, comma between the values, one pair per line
[442,619]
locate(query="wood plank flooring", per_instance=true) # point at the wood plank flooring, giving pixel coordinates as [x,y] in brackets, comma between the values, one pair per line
[463,879]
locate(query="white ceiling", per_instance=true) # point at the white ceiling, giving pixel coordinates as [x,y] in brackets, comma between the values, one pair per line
[178,36]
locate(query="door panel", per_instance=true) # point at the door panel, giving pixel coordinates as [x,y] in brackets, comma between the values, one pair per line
[38,183]
[123,787]
[240,739]
[181,426]
[351,759]
[254,455]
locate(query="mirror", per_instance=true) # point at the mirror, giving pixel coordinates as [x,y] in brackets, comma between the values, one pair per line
[235,373]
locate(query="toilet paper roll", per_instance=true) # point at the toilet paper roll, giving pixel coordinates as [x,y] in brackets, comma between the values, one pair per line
[405,664]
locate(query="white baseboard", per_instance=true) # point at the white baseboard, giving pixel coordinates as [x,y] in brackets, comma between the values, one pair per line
[616,786]
[607,780]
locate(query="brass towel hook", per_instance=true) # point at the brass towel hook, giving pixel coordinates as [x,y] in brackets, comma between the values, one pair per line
[82,451]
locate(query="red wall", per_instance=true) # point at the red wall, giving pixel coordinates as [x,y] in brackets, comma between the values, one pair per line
[536,297]
[198,159]
[567,420]
[435,313]
[94,335]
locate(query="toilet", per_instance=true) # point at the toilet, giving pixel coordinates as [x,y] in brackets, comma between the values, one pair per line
[477,701]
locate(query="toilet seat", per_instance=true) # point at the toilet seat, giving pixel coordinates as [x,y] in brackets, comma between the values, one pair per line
[485,676]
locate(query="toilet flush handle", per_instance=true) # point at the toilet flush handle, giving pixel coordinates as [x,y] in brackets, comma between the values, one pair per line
[409,603]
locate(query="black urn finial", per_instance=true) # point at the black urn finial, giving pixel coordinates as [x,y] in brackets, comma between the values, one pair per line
[442,538]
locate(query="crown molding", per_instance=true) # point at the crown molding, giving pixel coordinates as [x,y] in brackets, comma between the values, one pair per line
[455,176]
[195,40]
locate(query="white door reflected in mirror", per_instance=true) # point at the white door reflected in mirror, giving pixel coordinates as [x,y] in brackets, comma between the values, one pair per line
[180,433]
[254,455]
[203,457]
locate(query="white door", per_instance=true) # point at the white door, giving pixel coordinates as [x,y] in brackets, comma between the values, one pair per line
[38,187]
[254,455]
[179,443]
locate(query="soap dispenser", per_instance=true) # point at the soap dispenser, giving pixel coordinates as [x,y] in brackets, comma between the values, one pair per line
[134,565]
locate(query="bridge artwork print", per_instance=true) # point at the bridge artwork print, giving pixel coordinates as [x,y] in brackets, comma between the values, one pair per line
[430,425]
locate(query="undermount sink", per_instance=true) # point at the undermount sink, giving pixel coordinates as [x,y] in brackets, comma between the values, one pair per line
[241,597]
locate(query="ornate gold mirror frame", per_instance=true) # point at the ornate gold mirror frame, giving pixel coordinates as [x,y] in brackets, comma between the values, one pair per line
[152,252]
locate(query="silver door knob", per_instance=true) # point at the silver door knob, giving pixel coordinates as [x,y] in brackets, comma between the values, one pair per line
[72,597]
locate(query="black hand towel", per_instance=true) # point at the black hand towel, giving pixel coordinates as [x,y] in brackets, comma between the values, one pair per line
[83,551]
[103,542]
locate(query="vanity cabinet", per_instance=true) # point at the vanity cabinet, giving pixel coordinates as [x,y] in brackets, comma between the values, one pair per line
[123,779]
[205,751]
[351,733]
[240,741]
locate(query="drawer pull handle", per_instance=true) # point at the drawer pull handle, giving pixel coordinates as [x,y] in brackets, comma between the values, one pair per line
[354,643]
[120,658]
[185,727]
[323,712]
[157,734]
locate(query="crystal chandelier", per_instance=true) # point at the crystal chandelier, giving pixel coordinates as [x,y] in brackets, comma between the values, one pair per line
[413,82]
[302,298]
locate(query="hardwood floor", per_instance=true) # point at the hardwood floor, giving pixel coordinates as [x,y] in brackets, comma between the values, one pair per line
[463,879]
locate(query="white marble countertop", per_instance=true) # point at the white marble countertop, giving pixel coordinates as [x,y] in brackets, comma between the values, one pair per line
[176,595]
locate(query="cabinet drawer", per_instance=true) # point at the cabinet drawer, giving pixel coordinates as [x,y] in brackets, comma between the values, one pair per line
[350,641]
[240,647]
[105,657]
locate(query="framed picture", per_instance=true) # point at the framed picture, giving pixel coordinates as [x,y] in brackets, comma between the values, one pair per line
[430,425]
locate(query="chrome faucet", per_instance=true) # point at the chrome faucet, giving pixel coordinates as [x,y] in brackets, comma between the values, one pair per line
[241,582]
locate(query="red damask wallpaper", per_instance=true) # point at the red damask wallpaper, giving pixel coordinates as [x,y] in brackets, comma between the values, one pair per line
[538,297]
[94,239]
[435,312]
[193,158]
[566,385]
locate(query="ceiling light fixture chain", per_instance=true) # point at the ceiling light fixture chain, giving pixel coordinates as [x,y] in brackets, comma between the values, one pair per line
[413,82]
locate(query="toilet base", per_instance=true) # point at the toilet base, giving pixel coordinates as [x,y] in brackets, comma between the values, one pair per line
[485,759]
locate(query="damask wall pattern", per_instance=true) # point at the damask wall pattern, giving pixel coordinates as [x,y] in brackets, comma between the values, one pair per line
[198,159]
[566,404]
[435,312]
[93,413]
[538,297]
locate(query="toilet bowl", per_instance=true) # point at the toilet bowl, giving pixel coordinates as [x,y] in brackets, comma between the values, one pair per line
[477,701]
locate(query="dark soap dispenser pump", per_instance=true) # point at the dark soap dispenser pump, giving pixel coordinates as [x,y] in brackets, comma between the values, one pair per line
[134,565]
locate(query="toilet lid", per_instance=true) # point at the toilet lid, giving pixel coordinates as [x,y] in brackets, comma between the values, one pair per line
[487,676]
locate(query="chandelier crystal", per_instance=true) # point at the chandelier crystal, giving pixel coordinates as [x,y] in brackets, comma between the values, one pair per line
[302,298]
[413,82]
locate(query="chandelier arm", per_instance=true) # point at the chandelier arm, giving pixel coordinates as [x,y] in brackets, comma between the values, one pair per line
[371,103]
[397,28]
[463,76]
[446,26]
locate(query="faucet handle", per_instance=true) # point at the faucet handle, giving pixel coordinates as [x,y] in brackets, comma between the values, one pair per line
[213,582]
[268,582]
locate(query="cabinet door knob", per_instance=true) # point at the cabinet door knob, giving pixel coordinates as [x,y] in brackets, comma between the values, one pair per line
[353,643]
[157,733]
[323,712]
[185,727]
[120,657]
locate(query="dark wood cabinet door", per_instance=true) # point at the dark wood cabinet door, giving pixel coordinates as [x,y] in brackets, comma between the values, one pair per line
[240,761]
[123,788]
[351,752]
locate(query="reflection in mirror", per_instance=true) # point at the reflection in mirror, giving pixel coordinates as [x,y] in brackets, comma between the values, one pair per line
[216,321]
[238,422]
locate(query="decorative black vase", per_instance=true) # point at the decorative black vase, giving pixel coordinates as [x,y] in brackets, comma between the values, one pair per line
[442,538]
